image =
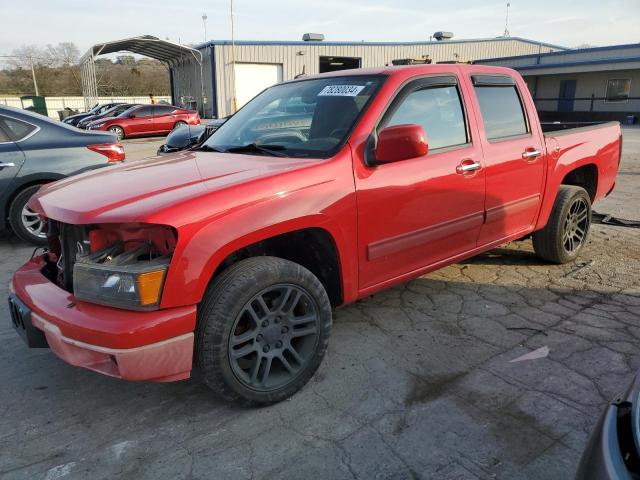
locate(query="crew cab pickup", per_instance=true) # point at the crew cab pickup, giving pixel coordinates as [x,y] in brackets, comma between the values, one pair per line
[319,192]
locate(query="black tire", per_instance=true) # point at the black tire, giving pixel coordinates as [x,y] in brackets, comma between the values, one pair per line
[118,131]
[226,304]
[20,223]
[555,242]
[179,124]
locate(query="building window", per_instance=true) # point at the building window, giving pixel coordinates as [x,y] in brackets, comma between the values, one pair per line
[618,89]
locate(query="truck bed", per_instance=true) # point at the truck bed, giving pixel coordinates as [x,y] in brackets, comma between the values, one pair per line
[556,126]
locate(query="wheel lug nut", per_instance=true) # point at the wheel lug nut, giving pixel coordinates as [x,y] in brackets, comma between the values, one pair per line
[266,348]
[284,329]
[259,337]
[278,344]
[265,323]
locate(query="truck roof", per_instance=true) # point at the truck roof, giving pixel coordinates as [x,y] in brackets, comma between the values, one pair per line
[416,69]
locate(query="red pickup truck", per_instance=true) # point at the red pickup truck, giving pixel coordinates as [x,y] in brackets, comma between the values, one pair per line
[320,191]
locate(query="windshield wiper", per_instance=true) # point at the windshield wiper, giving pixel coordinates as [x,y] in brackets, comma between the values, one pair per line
[254,147]
[207,148]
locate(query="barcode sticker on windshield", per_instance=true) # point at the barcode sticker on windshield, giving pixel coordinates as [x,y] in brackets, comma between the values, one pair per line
[341,91]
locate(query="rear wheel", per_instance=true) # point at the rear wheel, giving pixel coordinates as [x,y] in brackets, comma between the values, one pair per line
[179,124]
[561,240]
[118,131]
[263,329]
[25,222]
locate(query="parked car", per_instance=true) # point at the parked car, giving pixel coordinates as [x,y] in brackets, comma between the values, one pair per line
[189,136]
[112,112]
[613,451]
[147,120]
[96,110]
[235,253]
[35,150]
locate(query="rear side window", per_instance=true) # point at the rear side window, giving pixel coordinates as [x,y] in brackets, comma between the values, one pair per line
[16,129]
[144,111]
[164,109]
[502,111]
[438,110]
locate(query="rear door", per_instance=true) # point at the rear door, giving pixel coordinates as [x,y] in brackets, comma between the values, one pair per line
[165,118]
[417,212]
[514,155]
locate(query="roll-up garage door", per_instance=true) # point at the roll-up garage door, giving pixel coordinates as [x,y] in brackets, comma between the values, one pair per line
[252,78]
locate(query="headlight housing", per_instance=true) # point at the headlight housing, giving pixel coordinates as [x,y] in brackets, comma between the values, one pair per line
[123,274]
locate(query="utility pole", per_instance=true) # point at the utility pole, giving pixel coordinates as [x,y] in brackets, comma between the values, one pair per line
[33,75]
[506,22]
[204,23]
[234,102]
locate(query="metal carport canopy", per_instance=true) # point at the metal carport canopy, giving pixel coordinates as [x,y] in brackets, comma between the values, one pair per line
[147,45]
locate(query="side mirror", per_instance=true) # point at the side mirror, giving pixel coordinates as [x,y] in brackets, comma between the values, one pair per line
[401,142]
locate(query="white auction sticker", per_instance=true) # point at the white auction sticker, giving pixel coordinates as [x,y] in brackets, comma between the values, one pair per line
[341,91]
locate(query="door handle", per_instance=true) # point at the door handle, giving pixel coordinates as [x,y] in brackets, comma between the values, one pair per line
[531,154]
[2,165]
[467,166]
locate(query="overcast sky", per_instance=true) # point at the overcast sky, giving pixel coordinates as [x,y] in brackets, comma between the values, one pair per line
[85,22]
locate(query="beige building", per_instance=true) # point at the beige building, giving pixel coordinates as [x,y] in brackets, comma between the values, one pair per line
[583,84]
[233,74]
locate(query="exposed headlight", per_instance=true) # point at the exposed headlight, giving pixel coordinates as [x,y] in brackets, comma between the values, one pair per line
[117,277]
[97,125]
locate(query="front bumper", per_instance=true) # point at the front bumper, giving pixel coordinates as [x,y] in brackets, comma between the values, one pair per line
[155,346]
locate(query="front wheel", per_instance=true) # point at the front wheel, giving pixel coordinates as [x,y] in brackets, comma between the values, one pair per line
[118,131]
[565,234]
[263,329]
[26,223]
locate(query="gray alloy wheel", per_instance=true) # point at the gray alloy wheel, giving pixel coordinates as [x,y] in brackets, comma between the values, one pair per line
[26,223]
[274,337]
[576,226]
[263,329]
[179,124]
[32,223]
[565,234]
[119,132]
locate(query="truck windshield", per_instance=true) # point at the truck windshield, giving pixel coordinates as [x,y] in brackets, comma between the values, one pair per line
[305,118]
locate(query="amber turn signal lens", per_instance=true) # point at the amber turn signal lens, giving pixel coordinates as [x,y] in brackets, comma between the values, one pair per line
[149,287]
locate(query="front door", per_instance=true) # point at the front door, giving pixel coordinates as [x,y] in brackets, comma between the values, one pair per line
[566,95]
[514,156]
[417,212]
[142,122]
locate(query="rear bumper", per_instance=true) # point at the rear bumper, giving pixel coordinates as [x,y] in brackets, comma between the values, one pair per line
[156,346]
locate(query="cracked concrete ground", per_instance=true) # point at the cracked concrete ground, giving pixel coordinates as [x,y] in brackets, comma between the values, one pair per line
[417,382]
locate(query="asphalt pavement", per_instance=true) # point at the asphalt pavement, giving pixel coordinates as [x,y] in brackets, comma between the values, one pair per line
[419,381]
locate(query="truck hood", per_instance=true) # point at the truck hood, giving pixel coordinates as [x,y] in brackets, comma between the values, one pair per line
[136,191]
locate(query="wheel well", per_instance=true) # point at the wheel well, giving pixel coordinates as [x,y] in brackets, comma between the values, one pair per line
[17,191]
[585,177]
[313,248]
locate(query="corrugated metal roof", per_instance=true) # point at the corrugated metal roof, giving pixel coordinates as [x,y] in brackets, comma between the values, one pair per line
[363,43]
[147,45]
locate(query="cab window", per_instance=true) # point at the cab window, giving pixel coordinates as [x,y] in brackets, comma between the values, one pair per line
[438,110]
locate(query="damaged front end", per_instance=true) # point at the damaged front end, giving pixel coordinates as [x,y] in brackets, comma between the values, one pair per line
[117,265]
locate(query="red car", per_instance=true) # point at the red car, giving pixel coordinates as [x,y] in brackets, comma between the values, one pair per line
[319,192]
[146,120]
